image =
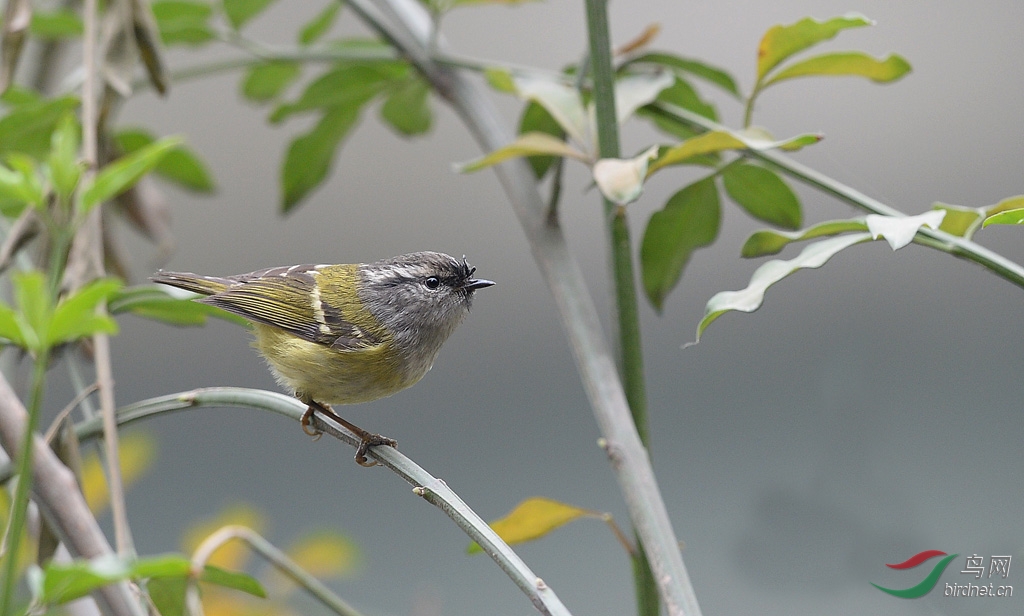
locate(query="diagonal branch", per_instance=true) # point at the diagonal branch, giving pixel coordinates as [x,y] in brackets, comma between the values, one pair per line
[424,484]
[410,32]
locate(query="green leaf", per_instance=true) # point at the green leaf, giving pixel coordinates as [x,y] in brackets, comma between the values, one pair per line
[406,108]
[763,194]
[75,316]
[770,242]
[537,119]
[843,64]
[10,328]
[682,94]
[345,86]
[780,42]
[319,25]
[309,156]
[156,303]
[183,22]
[21,183]
[168,595]
[1010,203]
[56,25]
[239,12]
[180,165]
[35,307]
[124,172]
[690,219]
[530,144]
[63,582]
[265,82]
[532,519]
[750,299]
[234,580]
[671,125]
[27,128]
[65,168]
[1008,217]
[693,67]
[500,79]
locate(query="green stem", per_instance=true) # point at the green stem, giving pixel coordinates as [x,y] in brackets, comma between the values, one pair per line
[630,350]
[19,507]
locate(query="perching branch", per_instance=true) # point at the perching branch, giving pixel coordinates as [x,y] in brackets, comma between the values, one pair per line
[59,498]
[432,489]
[409,30]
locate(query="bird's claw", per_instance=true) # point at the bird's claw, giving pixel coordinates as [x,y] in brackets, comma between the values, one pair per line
[307,427]
[371,440]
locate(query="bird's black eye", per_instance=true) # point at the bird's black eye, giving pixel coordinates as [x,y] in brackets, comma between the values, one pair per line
[432,283]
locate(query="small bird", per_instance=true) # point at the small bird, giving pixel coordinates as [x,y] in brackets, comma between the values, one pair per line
[344,334]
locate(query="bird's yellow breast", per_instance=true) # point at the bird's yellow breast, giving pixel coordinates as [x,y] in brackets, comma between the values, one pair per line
[331,375]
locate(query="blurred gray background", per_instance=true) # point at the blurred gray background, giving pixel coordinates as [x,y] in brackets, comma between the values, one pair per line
[870,410]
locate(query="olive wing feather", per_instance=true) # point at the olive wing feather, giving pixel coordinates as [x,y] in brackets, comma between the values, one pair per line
[287,298]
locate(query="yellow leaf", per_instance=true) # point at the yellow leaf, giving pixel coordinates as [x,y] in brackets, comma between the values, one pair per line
[529,144]
[136,451]
[231,555]
[325,554]
[533,518]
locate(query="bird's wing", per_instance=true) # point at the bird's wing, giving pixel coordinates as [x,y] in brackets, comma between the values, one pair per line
[288,298]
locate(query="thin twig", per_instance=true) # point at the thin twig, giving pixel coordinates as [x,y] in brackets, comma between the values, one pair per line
[93,235]
[432,489]
[58,421]
[276,557]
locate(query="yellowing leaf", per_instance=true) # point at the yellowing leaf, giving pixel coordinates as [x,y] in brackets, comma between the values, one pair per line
[529,144]
[136,450]
[781,42]
[233,554]
[846,64]
[533,518]
[325,554]
[712,141]
[721,140]
[1009,203]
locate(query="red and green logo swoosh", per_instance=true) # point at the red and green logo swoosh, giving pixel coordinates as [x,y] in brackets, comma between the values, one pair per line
[928,583]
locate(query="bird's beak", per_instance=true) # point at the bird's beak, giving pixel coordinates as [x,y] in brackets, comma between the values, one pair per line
[477,283]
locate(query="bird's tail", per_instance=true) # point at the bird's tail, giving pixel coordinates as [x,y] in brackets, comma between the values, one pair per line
[204,285]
